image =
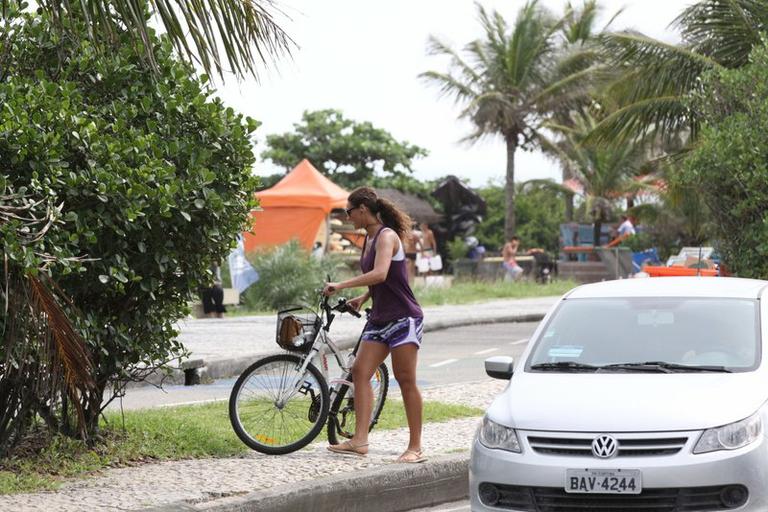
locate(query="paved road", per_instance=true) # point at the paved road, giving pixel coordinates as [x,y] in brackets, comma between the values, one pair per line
[447,357]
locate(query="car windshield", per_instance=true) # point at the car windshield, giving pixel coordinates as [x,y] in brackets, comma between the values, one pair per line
[666,335]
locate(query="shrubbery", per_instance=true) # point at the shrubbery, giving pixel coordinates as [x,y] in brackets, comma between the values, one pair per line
[152,175]
[289,275]
[729,167]
[538,211]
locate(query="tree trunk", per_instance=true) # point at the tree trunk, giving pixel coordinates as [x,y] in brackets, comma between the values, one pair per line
[92,408]
[568,198]
[509,188]
[596,228]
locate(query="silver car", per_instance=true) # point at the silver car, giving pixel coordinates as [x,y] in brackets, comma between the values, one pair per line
[633,395]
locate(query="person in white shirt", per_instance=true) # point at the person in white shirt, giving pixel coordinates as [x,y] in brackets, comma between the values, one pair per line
[626,228]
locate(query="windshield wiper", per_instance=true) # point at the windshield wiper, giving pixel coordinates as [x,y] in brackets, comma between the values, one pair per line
[666,367]
[565,365]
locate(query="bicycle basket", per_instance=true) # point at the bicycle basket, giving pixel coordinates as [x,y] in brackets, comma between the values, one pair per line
[297,328]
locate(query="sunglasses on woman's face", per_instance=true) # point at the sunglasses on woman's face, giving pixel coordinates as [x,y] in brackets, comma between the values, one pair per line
[349,210]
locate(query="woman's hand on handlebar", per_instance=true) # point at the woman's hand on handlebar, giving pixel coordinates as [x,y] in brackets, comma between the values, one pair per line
[330,288]
[356,303]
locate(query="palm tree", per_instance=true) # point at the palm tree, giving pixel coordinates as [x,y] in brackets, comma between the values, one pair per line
[606,173]
[656,77]
[206,32]
[582,40]
[511,82]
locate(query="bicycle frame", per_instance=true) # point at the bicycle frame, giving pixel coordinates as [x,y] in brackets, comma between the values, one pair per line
[323,340]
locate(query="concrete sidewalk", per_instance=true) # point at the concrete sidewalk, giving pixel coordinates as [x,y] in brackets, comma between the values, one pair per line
[227,346]
[312,478]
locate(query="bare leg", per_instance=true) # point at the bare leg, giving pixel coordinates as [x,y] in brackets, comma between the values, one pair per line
[404,360]
[369,357]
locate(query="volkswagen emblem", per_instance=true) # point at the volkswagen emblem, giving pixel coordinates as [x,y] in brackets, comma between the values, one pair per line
[605,447]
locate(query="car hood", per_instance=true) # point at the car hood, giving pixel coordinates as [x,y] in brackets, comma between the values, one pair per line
[622,402]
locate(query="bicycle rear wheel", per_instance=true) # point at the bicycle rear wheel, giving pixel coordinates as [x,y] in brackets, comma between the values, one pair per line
[269,413]
[341,419]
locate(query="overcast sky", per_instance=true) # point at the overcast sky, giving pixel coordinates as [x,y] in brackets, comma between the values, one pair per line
[364,57]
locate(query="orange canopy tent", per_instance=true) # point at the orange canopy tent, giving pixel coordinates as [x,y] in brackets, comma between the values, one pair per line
[296,207]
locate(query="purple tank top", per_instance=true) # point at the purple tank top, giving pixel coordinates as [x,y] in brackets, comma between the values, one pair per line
[393,298]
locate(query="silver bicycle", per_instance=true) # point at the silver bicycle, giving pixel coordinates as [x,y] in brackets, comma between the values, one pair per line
[281,402]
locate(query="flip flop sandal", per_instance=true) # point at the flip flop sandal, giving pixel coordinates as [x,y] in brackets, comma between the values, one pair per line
[347,448]
[419,457]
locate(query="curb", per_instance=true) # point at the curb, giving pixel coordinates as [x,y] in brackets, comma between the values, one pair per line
[228,368]
[393,488]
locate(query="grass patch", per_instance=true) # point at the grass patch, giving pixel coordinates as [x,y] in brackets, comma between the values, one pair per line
[461,292]
[467,292]
[393,415]
[172,433]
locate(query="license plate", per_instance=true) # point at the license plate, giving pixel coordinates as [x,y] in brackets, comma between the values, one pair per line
[603,481]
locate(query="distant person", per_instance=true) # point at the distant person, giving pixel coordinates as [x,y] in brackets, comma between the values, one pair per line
[626,228]
[476,250]
[543,265]
[213,296]
[317,251]
[513,270]
[430,259]
[412,246]
[428,245]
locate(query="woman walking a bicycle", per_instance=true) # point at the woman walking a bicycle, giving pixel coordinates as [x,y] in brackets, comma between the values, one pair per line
[395,324]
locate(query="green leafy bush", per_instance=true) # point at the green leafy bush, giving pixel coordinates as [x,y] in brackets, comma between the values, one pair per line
[538,211]
[729,167]
[639,242]
[152,175]
[288,275]
[457,249]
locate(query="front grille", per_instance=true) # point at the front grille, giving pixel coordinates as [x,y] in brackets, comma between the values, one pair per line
[553,499]
[628,447]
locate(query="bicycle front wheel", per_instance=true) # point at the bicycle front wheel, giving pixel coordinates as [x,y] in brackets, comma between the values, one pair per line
[341,420]
[274,410]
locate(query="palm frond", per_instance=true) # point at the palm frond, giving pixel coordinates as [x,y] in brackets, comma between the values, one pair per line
[530,42]
[664,116]
[244,32]
[571,87]
[578,26]
[450,85]
[725,30]
[70,348]
[547,185]
[613,18]
[665,68]
[436,46]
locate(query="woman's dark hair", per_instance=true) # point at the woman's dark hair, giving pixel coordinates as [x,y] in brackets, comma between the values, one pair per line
[390,215]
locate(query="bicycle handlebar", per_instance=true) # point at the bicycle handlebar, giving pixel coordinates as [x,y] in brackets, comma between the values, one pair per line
[341,306]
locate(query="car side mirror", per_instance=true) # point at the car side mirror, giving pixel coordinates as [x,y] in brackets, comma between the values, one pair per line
[500,367]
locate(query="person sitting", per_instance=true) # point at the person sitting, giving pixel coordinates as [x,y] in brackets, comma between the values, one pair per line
[476,251]
[508,253]
[625,230]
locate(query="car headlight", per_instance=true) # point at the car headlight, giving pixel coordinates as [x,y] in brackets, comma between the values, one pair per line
[493,435]
[732,436]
